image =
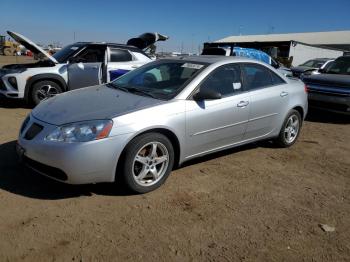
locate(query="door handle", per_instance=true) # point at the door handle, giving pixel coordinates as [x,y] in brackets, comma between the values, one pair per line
[243,104]
[283,94]
[135,66]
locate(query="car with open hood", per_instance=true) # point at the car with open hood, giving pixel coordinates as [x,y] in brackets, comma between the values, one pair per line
[75,66]
[134,129]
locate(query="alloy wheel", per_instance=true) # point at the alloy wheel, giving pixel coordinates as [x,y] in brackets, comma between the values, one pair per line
[292,129]
[150,164]
[46,91]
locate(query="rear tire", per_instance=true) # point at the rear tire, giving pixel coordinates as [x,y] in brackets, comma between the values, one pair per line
[44,89]
[148,161]
[290,129]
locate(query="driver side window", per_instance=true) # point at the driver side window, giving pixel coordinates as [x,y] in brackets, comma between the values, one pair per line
[225,80]
[91,55]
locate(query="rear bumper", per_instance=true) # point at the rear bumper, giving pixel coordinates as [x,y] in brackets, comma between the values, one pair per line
[333,103]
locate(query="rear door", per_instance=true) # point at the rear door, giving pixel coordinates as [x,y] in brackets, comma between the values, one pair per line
[121,61]
[213,124]
[87,68]
[268,96]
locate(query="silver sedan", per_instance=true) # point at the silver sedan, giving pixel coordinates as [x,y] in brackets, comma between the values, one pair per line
[135,129]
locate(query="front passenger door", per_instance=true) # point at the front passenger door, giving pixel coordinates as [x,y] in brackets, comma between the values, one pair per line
[214,124]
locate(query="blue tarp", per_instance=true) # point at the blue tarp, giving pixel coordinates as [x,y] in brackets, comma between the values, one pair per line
[252,53]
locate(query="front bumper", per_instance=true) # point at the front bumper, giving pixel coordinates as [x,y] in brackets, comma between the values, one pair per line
[6,90]
[72,163]
[333,103]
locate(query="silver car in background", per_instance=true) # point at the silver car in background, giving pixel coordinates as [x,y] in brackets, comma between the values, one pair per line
[136,128]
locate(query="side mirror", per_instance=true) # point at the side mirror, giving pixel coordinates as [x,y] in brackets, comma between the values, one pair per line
[206,94]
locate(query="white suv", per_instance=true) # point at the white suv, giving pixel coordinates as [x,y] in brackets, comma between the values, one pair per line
[77,65]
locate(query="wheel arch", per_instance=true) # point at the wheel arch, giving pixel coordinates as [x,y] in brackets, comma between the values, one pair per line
[44,77]
[300,110]
[162,130]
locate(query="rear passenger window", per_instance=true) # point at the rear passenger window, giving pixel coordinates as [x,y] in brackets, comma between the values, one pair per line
[226,80]
[256,76]
[120,55]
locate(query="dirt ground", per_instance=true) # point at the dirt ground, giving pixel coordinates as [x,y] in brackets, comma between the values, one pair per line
[252,203]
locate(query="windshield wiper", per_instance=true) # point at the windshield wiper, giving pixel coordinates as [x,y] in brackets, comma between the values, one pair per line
[118,87]
[135,90]
[132,90]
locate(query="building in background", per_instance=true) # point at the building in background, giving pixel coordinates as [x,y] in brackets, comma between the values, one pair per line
[292,49]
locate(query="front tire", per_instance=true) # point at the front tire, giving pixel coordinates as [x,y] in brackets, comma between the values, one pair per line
[44,89]
[148,161]
[290,129]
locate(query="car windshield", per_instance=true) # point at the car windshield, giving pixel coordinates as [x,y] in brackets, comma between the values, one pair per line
[340,66]
[162,79]
[66,52]
[313,63]
[327,66]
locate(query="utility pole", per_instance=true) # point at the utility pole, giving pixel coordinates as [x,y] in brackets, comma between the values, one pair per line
[271,29]
[192,43]
[240,29]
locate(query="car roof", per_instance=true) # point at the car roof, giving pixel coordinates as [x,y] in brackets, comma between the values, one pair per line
[345,57]
[116,45]
[211,59]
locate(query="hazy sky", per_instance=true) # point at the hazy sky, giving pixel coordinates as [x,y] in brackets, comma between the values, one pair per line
[188,23]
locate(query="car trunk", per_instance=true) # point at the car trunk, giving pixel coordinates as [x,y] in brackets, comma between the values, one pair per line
[146,40]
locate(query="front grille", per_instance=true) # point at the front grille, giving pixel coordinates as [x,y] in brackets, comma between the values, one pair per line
[333,89]
[329,105]
[327,92]
[2,85]
[296,74]
[45,169]
[33,131]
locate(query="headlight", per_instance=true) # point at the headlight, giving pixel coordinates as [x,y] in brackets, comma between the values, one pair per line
[81,131]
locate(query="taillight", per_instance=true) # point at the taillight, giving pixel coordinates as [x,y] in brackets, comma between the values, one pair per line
[306,88]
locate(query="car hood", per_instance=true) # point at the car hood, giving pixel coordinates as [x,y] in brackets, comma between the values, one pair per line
[332,80]
[302,68]
[146,40]
[30,45]
[96,102]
